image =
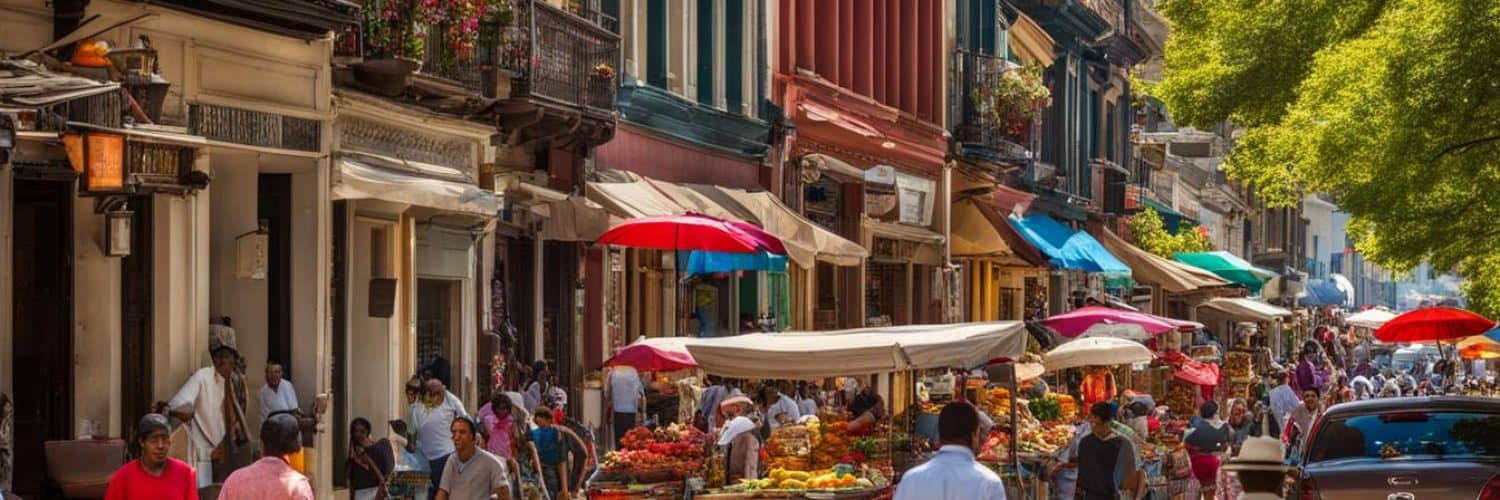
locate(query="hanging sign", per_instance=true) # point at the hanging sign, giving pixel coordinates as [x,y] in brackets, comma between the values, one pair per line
[915,197]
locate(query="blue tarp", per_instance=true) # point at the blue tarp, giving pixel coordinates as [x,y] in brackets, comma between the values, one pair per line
[700,262]
[1322,293]
[1068,249]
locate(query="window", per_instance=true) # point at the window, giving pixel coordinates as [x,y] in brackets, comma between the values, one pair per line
[706,53]
[734,56]
[984,28]
[1407,436]
[656,43]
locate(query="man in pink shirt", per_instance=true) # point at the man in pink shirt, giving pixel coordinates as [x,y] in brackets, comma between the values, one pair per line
[154,475]
[272,477]
[496,419]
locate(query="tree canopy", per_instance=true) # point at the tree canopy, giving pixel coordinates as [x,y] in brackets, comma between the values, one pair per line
[1149,233]
[1390,106]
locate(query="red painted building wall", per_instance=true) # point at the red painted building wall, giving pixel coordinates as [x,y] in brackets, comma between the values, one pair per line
[891,51]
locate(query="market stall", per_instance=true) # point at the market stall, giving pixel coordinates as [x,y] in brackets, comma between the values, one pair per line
[824,455]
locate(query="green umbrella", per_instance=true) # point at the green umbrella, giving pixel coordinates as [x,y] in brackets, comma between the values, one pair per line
[1226,265]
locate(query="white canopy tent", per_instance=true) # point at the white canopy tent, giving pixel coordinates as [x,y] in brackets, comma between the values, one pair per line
[863,351]
[1372,318]
[1096,351]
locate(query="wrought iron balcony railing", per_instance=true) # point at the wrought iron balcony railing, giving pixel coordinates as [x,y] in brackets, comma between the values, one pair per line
[977,128]
[566,58]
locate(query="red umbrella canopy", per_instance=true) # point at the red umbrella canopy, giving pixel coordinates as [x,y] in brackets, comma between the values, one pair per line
[692,232]
[650,358]
[1076,322]
[1433,324]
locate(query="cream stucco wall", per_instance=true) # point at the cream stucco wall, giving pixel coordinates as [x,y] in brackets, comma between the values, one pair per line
[180,288]
[96,322]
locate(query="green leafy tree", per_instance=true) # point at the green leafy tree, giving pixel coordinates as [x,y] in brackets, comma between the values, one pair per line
[1390,106]
[1149,232]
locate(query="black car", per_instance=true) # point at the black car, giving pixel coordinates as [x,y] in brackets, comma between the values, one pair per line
[1416,448]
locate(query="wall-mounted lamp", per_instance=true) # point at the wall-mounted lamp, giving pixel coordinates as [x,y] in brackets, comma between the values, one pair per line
[117,228]
[100,158]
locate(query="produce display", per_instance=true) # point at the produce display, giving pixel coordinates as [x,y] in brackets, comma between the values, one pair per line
[996,447]
[665,454]
[1047,439]
[834,441]
[996,403]
[790,446]
[1047,409]
[840,477]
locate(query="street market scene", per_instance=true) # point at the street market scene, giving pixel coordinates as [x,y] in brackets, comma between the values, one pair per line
[749,249]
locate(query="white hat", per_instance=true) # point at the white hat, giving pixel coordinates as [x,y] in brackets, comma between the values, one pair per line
[1260,453]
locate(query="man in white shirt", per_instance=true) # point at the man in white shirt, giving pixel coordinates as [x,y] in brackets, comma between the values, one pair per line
[201,403]
[277,394]
[433,415]
[953,474]
[1283,399]
[626,399]
[777,405]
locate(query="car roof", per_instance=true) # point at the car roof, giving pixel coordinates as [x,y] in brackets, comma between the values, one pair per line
[1418,403]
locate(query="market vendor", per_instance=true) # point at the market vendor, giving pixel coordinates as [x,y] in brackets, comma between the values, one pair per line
[867,401]
[780,409]
[740,445]
[1098,386]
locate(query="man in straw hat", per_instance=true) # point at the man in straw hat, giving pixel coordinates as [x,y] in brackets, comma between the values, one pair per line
[1260,469]
[738,439]
[213,419]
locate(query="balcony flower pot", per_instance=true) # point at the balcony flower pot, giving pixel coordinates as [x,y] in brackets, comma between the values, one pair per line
[388,76]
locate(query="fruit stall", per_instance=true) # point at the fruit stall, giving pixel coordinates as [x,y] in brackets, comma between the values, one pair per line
[826,456]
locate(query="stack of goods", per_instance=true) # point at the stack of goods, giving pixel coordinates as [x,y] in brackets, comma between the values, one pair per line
[1239,366]
[1068,406]
[1180,397]
[1047,439]
[665,455]
[1204,353]
[833,441]
[932,408]
[1050,408]
[996,402]
[789,447]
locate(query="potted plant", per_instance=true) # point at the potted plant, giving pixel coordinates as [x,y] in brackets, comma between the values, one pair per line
[393,45]
[1016,100]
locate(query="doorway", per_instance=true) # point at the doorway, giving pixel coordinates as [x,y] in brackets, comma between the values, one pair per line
[274,211]
[43,316]
[437,325]
[135,317]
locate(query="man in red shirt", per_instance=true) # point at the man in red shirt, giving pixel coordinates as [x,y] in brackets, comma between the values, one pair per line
[154,475]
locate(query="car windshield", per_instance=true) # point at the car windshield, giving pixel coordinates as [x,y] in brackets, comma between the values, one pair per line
[1420,435]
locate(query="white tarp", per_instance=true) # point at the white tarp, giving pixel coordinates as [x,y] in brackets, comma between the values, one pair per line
[1371,319]
[809,355]
[361,180]
[1096,351]
[1247,309]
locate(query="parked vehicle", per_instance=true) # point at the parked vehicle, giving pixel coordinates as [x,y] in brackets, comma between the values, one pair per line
[1414,448]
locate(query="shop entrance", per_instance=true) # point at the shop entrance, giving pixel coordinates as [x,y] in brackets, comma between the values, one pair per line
[135,316]
[43,317]
[437,323]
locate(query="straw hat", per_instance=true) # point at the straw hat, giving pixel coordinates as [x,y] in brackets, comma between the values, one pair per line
[1260,454]
[736,400]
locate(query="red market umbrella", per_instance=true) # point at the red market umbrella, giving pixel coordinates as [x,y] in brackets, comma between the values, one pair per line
[650,358]
[692,232]
[1433,324]
[1191,370]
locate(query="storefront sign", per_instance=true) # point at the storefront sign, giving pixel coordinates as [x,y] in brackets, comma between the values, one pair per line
[881,174]
[915,196]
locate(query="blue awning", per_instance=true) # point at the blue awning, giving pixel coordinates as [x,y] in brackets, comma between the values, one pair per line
[700,262]
[1068,249]
[1322,293]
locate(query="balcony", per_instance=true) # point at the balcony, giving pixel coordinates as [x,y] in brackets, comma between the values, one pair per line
[552,57]
[990,108]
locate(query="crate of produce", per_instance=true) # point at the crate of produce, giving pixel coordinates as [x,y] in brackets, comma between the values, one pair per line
[1239,366]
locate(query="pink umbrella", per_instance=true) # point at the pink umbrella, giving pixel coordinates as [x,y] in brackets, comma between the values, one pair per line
[650,358]
[1111,322]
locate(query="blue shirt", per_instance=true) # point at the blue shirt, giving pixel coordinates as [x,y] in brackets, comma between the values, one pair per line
[548,445]
[625,390]
[952,474]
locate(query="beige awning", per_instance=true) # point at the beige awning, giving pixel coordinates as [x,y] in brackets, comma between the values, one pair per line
[980,232]
[1247,309]
[929,245]
[1149,268]
[806,241]
[360,179]
[565,217]
[632,199]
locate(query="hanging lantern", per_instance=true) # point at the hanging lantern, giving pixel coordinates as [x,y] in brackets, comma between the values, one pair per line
[100,158]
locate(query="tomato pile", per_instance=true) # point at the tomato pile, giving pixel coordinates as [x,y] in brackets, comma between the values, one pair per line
[673,448]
